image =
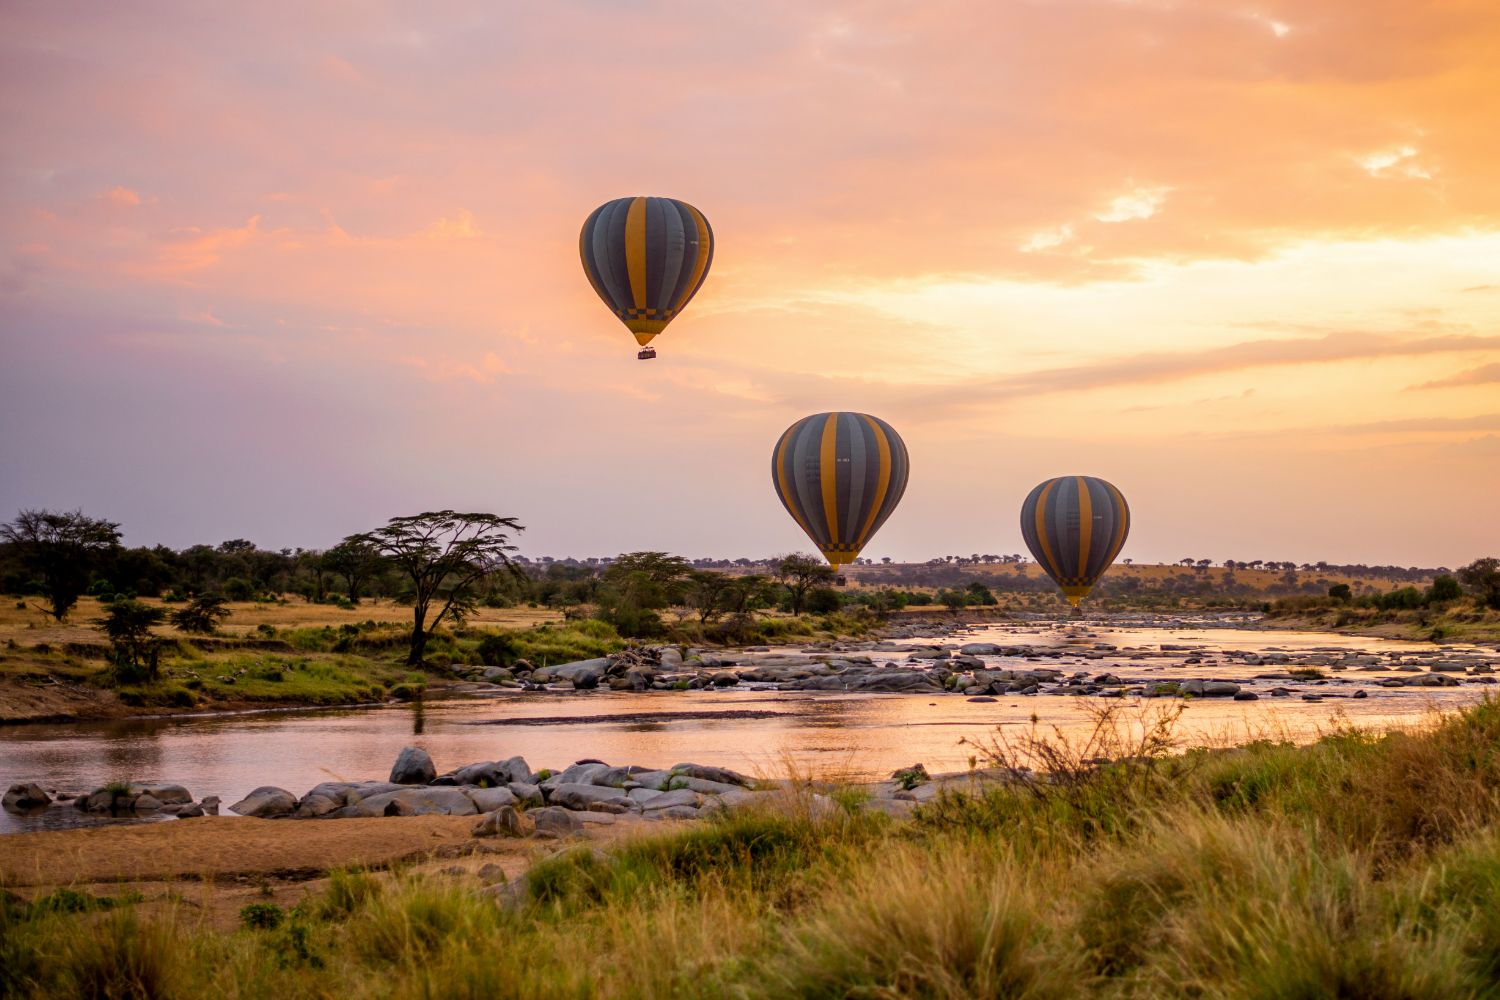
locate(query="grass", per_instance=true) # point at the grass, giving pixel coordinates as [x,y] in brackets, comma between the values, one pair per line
[1360,866]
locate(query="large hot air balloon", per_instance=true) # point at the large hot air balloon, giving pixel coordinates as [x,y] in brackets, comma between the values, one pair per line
[1075,526]
[840,475]
[646,258]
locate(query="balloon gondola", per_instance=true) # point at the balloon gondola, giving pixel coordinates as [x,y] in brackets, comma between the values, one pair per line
[646,258]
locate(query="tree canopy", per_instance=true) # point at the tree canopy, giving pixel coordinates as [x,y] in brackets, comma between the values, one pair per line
[445,555]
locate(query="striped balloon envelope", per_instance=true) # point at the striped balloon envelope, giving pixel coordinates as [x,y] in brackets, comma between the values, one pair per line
[1075,526]
[840,475]
[646,258]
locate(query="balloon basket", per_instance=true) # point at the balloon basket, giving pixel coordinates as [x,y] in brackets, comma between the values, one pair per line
[645,354]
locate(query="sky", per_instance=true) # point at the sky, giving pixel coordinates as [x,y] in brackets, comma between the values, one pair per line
[282,271]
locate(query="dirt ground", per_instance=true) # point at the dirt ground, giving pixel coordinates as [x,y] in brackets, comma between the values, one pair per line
[217,865]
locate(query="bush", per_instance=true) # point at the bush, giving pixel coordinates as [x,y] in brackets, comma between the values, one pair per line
[823,600]
[1444,588]
[261,916]
[1341,592]
[202,616]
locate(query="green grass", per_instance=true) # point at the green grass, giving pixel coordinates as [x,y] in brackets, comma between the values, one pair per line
[1362,866]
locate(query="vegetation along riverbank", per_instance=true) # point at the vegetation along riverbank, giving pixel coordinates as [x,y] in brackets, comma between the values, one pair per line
[94,630]
[1365,864]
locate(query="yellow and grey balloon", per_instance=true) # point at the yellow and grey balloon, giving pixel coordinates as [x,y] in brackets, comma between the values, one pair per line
[1075,526]
[840,475]
[646,258]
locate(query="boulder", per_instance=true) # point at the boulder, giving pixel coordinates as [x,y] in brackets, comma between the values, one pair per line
[148,804]
[554,820]
[528,793]
[266,802]
[486,773]
[165,793]
[413,767]
[434,801]
[979,649]
[505,822]
[582,673]
[582,773]
[487,800]
[26,795]
[722,775]
[669,800]
[596,797]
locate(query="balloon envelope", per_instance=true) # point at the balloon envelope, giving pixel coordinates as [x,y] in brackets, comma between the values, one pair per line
[1075,526]
[646,258]
[840,475]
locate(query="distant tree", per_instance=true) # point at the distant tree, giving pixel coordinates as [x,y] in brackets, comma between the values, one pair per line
[1444,588]
[357,561]
[135,649]
[444,555]
[953,600]
[202,615]
[1128,562]
[637,585]
[710,594]
[1482,576]
[823,600]
[61,548]
[799,573]
[1341,592]
[980,594]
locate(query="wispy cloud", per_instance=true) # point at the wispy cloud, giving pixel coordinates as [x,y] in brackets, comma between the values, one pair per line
[1483,375]
[1171,366]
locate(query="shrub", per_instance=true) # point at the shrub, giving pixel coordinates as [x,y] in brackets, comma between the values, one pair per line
[262,916]
[1444,588]
[823,600]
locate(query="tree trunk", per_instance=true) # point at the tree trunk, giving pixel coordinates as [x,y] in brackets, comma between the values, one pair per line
[418,636]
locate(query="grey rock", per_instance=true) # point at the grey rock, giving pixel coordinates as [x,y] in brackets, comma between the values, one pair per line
[148,803]
[597,797]
[25,795]
[722,775]
[979,649]
[582,774]
[266,802]
[164,792]
[413,767]
[674,812]
[553,819]
[668,800]
[430,801]
[505,822]
[527,792]
[487,800]
[1246,696]
[584,674]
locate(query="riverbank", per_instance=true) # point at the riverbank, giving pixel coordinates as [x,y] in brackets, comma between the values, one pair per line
[1364,864]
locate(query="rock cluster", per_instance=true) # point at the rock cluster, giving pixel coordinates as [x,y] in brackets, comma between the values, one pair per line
[134,798]
[906,663]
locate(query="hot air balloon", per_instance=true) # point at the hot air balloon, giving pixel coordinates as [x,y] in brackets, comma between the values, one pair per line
[840,475]
[646,258]
[1075,526]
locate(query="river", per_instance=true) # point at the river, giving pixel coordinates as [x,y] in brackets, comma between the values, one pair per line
[762,732]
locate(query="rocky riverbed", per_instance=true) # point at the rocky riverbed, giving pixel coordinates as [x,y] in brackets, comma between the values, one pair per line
[933,659]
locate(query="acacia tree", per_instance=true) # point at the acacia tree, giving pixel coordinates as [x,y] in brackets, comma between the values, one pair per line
[61,548]
[445,555]
[799,573]
[1483,577]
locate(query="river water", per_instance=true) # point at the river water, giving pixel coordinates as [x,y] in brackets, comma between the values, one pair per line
[768,733]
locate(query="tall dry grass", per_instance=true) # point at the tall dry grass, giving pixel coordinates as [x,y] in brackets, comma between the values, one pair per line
[1359,866]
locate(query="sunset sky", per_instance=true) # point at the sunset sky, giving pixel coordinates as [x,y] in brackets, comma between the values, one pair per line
[284,273]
